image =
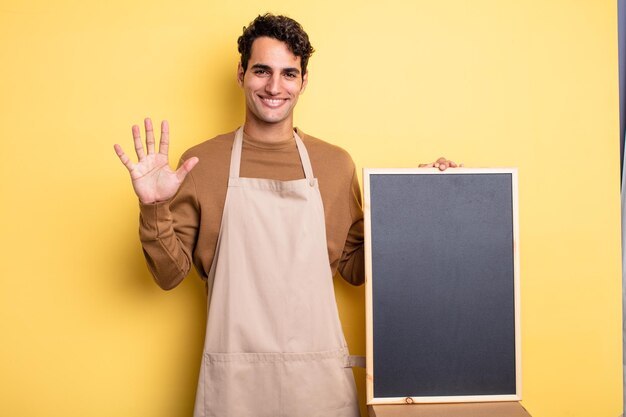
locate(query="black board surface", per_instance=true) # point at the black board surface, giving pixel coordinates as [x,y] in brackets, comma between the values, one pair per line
[442,284]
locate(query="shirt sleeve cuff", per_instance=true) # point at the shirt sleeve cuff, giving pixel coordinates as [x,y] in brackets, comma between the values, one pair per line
[153,218]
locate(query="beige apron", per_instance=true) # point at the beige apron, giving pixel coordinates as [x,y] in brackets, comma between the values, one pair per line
[274,345]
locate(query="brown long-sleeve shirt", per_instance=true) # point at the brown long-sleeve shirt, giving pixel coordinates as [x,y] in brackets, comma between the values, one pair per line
[176,233]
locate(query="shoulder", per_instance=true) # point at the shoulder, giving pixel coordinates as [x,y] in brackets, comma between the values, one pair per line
[213,160]
[326,154]
[210,149]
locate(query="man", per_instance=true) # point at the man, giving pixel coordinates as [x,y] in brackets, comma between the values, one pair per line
[267,216]
[265,236]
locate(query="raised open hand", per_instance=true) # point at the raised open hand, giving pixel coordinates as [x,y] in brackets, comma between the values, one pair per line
[153,179]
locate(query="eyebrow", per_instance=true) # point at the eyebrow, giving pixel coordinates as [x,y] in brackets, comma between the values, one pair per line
[268,68]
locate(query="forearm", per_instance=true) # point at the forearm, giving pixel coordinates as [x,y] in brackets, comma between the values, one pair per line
[352,265]
[167,257]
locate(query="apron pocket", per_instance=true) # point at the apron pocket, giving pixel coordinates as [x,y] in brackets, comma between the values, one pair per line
[318,384]
[308,384]
[241,385]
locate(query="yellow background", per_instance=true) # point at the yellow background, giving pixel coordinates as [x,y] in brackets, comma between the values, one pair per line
[530,84]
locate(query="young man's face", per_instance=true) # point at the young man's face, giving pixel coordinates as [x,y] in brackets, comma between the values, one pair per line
[272,83]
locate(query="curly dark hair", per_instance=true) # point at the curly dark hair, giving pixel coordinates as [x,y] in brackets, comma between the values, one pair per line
[281,28]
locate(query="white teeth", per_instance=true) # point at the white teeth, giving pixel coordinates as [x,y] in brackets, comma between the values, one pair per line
[273,102]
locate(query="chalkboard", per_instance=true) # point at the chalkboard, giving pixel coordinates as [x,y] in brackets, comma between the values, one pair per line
[442,285]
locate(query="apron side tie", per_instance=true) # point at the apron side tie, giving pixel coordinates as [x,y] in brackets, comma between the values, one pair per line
[355,361]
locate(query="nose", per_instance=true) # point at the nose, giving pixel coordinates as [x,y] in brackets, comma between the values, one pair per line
[272,86]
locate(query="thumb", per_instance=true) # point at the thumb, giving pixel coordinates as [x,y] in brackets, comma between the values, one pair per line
[187,166]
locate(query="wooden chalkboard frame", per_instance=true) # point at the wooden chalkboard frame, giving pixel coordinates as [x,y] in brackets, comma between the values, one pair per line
[370,359]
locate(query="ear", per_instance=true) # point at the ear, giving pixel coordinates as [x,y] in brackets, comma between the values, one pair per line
[240,74]
[305,81]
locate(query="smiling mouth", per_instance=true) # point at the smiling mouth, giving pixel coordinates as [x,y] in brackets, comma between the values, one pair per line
[273,102]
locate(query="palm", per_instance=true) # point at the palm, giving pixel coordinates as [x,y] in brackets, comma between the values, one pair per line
[153,179]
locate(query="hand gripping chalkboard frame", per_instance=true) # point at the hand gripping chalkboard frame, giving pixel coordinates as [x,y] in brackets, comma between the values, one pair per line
[442,285]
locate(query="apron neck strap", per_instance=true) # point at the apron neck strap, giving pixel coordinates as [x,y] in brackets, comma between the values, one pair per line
[235,156]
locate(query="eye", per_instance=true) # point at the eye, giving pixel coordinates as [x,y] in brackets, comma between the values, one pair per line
[291,75]
[261,72]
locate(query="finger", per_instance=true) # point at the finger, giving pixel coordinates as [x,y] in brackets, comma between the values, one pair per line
[164,143]
[452,164]
[138,145]
[184,169]
[123,157]
[443,166]
[149,135]
[426,165]
[442,160]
